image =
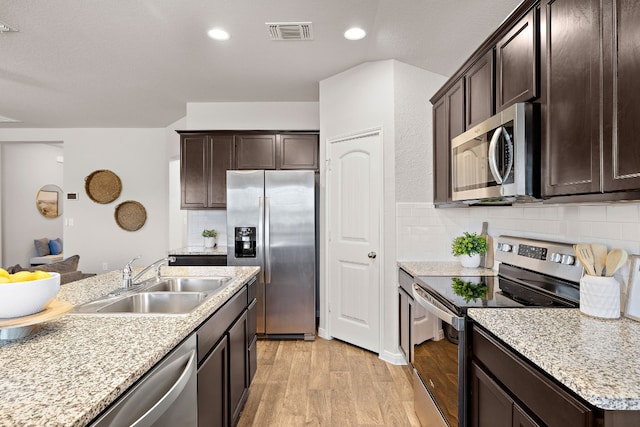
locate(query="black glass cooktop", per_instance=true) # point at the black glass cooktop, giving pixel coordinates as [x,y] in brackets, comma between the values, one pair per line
[517,288]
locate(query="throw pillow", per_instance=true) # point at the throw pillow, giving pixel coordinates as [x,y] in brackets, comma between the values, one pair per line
[42,247]
[64,266]
[55,246]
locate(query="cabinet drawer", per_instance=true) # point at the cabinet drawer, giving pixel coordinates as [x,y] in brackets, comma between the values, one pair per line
[252,288]
[544,398]
[214,328]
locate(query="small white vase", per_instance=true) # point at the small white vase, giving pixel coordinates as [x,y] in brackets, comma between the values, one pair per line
[470,261]
[600,296]
[209,242]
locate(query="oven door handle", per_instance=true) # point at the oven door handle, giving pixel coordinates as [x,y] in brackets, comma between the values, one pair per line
[426,301]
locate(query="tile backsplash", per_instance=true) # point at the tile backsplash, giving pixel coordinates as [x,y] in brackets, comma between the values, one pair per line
[425,232]
[199,220]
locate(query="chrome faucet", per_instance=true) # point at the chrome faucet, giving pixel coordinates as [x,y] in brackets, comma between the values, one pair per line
[128,281]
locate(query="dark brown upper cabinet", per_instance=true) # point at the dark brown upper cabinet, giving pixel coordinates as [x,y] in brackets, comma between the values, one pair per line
[621,150]
[206,156]
[448,122]
[255,151]
[571,125]
[479,90]
[204,160]
[298,151]
[517,63]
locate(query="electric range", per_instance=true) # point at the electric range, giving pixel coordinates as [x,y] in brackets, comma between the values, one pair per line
[531,273]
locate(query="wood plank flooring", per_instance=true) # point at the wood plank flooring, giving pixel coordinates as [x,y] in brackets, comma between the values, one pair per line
[326,383]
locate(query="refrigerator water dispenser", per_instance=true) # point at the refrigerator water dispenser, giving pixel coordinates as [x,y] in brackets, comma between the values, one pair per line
[245,242]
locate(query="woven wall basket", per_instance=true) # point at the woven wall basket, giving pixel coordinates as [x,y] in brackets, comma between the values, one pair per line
[103,186]
[130,215]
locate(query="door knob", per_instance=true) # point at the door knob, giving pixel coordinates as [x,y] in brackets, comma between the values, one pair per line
[371,255]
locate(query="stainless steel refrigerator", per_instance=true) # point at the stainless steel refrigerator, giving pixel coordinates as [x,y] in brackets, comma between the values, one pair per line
[271,224]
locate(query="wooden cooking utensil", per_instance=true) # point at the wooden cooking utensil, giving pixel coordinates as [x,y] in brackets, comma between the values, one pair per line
[615,259]
[585,256]
[599,257]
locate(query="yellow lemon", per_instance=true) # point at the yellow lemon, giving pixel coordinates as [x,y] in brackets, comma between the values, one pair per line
[39,274]
[22,276]
[4,273]
[4,280]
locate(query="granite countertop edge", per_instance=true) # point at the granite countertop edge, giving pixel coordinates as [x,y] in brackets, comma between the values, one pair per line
[442,268]
[198,250]
[77,365]
[597,359]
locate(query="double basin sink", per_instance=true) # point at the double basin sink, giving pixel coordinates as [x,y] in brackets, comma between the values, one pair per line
[167,295]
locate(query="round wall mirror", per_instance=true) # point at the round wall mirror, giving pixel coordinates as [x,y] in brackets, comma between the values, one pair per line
[49,201]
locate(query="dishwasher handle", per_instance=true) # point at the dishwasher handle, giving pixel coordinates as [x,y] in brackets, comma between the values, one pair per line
[160,407]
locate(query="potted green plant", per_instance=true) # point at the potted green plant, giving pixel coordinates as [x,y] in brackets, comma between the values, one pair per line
[209,238]
[468,249]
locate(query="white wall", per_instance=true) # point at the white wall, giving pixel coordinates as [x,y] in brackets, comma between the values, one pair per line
[252,115]
[139,158]
[25,169]
[392,96]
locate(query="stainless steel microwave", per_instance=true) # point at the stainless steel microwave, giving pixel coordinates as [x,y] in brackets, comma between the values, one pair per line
[498,159]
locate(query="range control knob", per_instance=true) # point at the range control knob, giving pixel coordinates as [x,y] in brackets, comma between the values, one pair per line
[568,259]
[555,257]
[505,247]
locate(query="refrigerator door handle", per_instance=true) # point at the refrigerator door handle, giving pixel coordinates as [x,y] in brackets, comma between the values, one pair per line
[260,233]
[267,243]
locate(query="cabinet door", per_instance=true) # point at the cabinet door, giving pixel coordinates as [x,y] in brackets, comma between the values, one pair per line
[479,90]
[570,76]
[516,64]
[490,405]
[194,171]
[221,160]
[237,366]
[521,419]
[212,387]
[621,154]
[298,152]
[255,151]
[448,122]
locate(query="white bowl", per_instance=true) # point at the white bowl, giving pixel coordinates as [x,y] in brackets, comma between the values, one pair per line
[24,298]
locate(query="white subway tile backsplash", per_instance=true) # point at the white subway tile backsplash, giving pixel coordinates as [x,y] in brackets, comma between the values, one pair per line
[593,213]
[622,213]
[428,235]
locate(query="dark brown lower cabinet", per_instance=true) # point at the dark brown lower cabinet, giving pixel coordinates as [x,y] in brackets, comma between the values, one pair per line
[207,260]
[238,384]
[491,406]
[508,391]
[212,387]
[224,355]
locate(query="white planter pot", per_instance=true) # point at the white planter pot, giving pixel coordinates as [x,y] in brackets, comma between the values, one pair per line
[600,296]
[209,242]
[470,261]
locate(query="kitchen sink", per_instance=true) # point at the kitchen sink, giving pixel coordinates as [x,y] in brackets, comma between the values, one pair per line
[167,295]
[156,302]
[190,284]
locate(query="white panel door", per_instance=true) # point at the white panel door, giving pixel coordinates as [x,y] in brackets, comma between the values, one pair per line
[354,196]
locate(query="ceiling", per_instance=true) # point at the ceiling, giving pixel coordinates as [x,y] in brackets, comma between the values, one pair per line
[124,63]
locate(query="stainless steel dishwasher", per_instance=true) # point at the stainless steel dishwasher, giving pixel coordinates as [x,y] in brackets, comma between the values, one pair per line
[165,396]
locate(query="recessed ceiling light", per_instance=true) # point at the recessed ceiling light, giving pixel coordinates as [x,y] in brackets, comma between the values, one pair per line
[355,33]
[218,34]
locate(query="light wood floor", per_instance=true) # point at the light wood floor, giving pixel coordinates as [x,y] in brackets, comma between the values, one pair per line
[326,383]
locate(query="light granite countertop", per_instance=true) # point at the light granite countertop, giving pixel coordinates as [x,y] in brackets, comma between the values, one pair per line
[199,250]
[75,366]
[597,359]
[442,268]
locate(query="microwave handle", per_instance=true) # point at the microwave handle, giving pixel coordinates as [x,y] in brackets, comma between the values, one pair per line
[493,164]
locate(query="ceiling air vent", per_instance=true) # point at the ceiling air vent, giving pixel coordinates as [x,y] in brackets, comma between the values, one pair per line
[290,30]
[4,28]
